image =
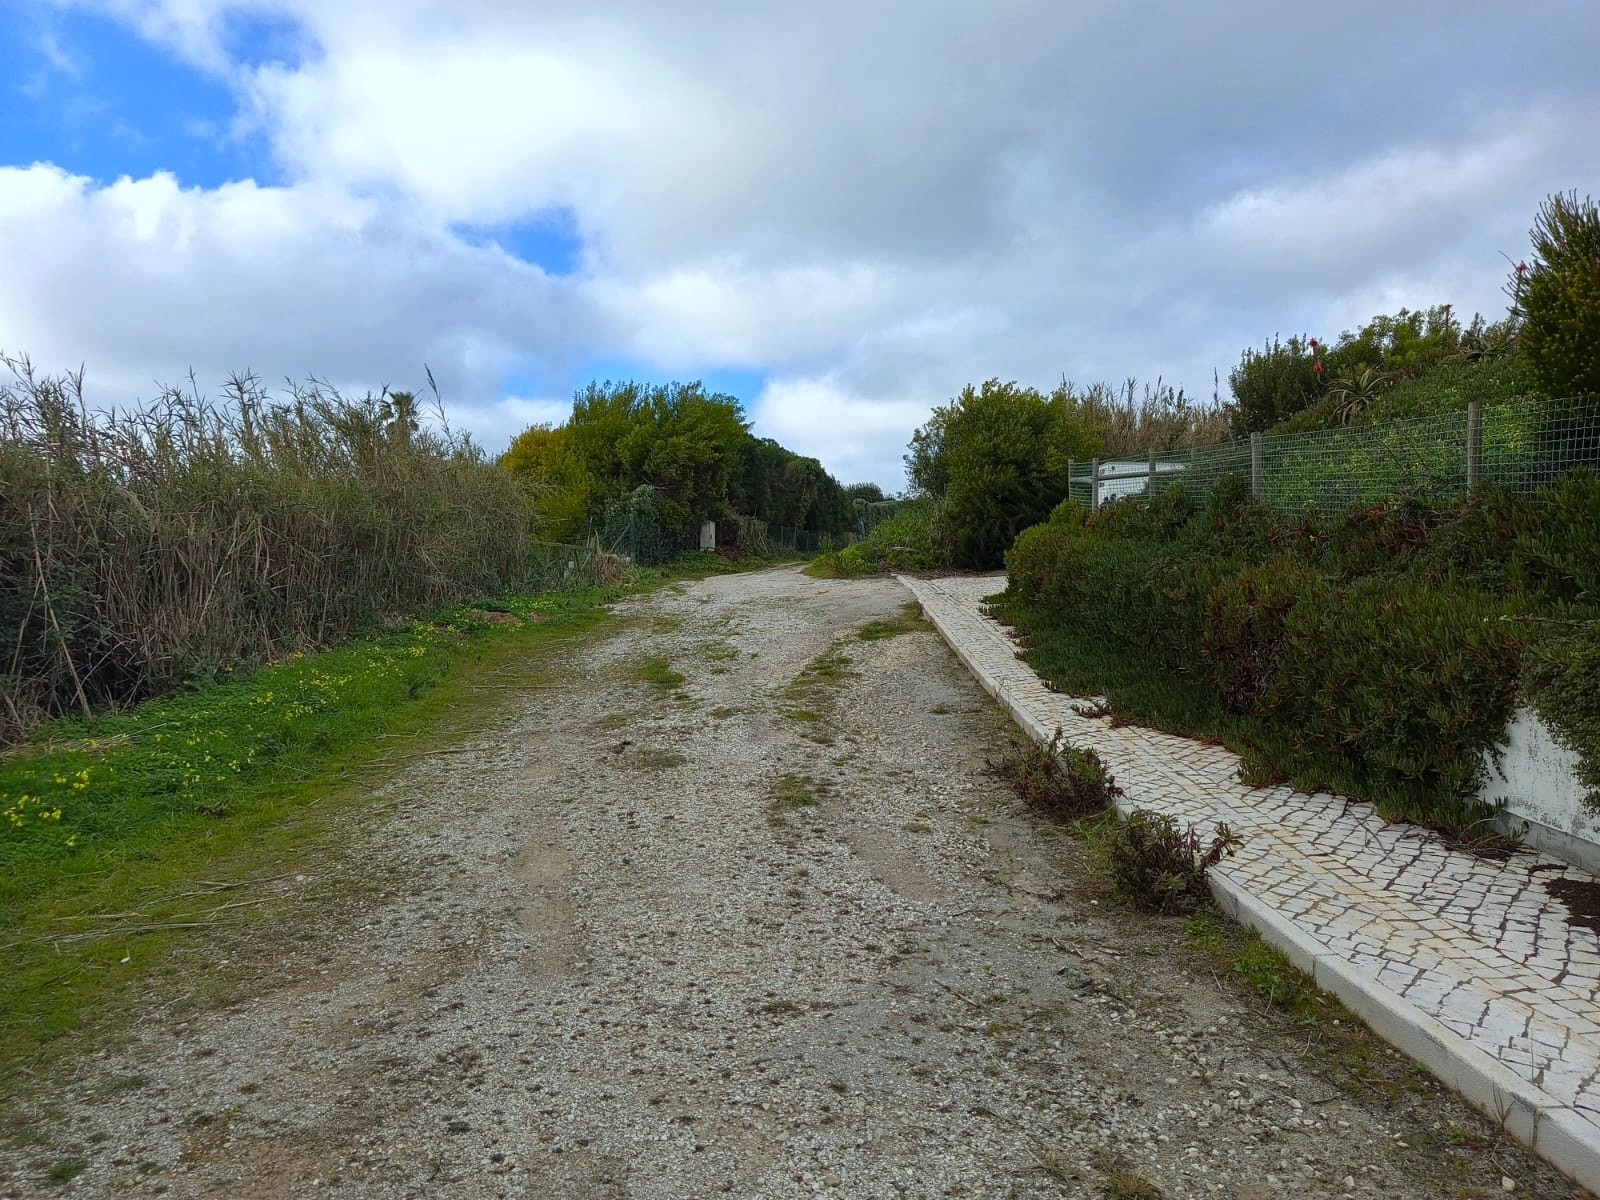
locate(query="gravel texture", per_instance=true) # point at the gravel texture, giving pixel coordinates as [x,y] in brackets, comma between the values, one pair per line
[773,932]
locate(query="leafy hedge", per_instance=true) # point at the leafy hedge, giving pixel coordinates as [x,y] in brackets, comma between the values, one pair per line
[916,538]
[1380,650]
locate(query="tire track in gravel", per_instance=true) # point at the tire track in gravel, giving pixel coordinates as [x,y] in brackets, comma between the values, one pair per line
[608,961]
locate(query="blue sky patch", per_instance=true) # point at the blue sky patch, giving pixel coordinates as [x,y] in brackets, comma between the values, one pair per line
[263,39]
[549,241]
[88,94]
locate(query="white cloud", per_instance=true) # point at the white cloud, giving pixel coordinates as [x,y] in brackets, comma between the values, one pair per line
[143,279]
[872,205]
[859,438]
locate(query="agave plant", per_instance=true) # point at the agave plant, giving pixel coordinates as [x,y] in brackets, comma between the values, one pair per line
[1353,395]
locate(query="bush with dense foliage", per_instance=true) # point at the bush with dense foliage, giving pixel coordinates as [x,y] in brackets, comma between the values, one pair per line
[1379,650]
[915,538]
[996,457]
[1273,383]
[692,449]
[1159,867]
[1558,297]
[1408,363]
[1058,779]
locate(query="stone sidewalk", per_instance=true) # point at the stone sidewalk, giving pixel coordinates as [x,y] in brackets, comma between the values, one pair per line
[1466,963]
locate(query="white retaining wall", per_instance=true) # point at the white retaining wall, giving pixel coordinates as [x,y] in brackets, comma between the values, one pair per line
[1537,780]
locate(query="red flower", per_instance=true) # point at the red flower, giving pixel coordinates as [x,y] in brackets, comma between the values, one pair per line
[1313,343]
[1317,367]
[1522,269]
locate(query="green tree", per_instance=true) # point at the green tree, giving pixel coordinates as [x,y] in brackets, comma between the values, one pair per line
[1557,296]
[562,485]
[1273,383]
[997,456]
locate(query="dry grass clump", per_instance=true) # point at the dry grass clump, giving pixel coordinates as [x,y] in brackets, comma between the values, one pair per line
[150,547]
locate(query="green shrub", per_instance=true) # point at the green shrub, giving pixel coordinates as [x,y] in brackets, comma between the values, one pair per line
[1561,675]
[1557,557]
[1558,297]
[1374,651]
[633,526]
[996,458]
[1406,683]
[1159,867]
[1273,383]
[914,539]
[1245,629]
[1060,780]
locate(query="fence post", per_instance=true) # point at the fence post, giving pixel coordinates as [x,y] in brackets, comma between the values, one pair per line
[1474,444]
[1256,481]
[1094,487]
[1150,478]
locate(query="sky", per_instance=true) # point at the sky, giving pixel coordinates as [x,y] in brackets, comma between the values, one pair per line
[840,213]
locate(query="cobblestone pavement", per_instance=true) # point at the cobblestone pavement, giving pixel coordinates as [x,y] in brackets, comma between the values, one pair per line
[1467,963]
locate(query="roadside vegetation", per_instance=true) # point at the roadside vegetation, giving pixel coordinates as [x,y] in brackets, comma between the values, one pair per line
[994,460]
[162,548]
[128,843]
[1378,652]
[642,466]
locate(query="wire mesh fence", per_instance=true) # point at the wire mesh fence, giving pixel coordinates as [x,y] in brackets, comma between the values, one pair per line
[872,513]
[794,541]
[1520,446]
[563,567]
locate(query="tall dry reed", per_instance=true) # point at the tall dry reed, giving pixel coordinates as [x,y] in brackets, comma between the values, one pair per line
[150,547]
[1132,422]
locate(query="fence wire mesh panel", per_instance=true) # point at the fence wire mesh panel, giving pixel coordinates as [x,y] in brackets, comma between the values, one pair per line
[872,513]
[1080,483]
[1522,446]
[559,567]
[795,541]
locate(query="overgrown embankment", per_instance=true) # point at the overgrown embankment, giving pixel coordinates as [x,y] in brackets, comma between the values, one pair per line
[148,550]
[1377,652]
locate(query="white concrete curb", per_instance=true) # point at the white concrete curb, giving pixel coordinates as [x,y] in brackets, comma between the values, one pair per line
[1556,1132]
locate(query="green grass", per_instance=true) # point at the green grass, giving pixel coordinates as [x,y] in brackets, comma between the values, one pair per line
[66,1170]
[809,697]
[656,760]
[167,812]
[658,672]
[1338,1044]
[793,791]
[1257,966]
[910,620]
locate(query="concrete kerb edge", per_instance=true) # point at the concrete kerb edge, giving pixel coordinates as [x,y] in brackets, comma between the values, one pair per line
[1557,1133]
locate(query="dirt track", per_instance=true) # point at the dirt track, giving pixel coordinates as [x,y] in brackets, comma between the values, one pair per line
[773,932]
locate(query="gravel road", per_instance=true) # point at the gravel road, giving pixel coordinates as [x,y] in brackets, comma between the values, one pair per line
[772,931]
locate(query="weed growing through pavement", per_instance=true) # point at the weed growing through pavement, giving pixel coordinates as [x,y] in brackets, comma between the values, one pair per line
[1124,1183]
[656,759]
[809,697]
[1255,964]
[791,794]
